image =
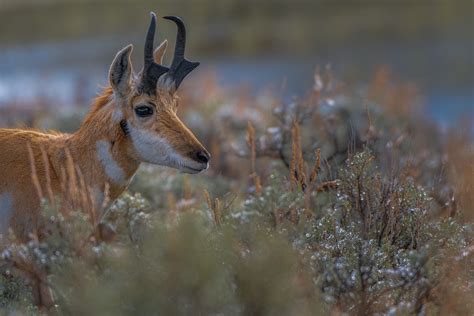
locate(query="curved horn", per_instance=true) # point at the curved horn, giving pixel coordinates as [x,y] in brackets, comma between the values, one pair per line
[151,70]
[180,67]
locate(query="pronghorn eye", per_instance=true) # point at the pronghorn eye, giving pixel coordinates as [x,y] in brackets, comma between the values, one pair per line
[144,110]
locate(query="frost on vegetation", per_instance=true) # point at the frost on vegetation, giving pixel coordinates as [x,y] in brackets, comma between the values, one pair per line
[372,242]
[379,244]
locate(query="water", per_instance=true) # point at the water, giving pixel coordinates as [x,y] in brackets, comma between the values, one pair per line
[58,71]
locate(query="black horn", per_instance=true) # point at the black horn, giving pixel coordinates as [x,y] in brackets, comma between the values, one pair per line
[151,70]
[180,66]
[150,37]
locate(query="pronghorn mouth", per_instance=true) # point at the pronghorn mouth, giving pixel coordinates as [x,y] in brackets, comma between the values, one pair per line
[188,169]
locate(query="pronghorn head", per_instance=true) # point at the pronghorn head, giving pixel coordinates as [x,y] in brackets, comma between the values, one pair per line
[146,105]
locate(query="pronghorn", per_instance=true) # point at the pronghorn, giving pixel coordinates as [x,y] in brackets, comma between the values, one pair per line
[133,121]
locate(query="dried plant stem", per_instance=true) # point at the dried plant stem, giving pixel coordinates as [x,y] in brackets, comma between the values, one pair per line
[217,211]
[316,167]
[251,144]
[186,188]
[208,199]
[328,185]
[214,207]
[253,157]
[297,173]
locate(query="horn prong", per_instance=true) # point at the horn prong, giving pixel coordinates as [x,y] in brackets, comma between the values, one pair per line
[180,67]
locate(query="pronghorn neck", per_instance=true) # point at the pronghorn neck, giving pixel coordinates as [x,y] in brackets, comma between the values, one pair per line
[102,149]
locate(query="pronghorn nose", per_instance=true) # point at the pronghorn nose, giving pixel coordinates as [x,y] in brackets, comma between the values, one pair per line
[203,156]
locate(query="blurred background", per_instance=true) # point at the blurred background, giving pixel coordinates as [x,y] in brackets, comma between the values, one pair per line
[372,201]
[60,50]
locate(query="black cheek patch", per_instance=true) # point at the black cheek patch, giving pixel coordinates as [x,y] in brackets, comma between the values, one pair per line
[124,127]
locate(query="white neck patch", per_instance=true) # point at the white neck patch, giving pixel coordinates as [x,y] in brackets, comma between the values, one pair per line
[112,169]
[154,149]
[6,203]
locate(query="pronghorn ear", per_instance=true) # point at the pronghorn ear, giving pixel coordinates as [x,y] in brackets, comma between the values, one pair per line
[159,52]
[120,73]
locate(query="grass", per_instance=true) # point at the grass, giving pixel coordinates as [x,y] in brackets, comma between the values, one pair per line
[343,202]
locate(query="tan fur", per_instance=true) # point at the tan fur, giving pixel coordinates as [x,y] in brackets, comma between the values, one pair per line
[93,166]
[16,167]
[89,169]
